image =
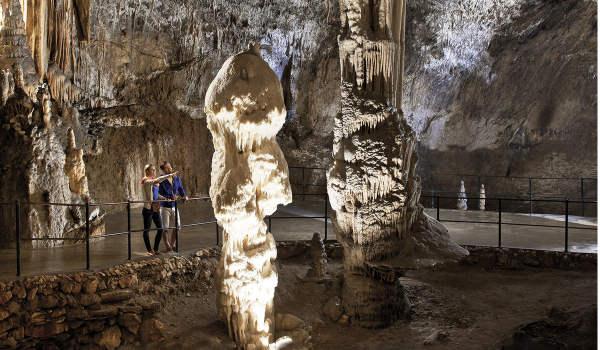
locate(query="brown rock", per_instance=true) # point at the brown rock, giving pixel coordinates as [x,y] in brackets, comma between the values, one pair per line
[116,296]
[104,312]
[47,302]
[344,321]
[151,330]
[74,324]
[96,326]
[9,343]
[125,281]
[4,314]
[77,314]
[67,286]
[127,337]
[13,307]
[136,309]
[18,333]
[88,299]
[5,326]
[46,330]
[32,293]
[150,305]
[38,317]
[4,297]
[110,338]
[129,320]
[90,287]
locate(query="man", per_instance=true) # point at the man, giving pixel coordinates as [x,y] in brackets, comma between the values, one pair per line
[171,189]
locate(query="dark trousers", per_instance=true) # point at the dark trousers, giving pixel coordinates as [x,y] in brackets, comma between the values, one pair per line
[150,216]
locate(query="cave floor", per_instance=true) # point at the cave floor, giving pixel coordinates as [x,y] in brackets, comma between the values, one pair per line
[113,250]
[457,308]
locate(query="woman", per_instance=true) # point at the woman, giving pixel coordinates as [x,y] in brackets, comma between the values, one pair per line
[151,211]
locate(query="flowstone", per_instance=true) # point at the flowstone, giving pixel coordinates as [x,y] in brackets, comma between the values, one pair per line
[371,183]
[245,109]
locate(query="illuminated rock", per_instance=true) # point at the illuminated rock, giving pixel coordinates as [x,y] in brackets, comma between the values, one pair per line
[245,109]
[371,184]
[482,198]
[461,203]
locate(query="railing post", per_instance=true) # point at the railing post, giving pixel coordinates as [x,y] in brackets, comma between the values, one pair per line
[432,191]
[582,199]
[270,224]
[438,208]
[217,224]
[176,228]
[87,235]
[18,233]
[303,185]
[129,230]
[326,207]
[530,197]
[566,225]
[478,191]
[499,222]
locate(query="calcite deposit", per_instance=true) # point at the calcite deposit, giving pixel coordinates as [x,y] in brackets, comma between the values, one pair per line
[461,202]
[245,109]
[371,184]
[41,143]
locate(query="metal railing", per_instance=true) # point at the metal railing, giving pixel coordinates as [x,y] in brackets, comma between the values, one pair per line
[429,187]
[18,239]
[500,223]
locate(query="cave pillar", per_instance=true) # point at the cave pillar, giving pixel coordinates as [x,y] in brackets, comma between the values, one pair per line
[372,185]
[245,109]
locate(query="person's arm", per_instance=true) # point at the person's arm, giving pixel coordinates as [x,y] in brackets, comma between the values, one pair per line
[150,182]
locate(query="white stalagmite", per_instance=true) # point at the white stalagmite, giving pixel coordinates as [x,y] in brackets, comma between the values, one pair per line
[461,203]
[245,109]
[482,198]
[372,183]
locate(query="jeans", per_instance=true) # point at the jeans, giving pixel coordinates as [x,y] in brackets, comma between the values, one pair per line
[150,216]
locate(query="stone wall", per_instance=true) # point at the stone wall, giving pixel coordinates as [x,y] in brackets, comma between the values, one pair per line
[514,258]
[117,306]
[97,310]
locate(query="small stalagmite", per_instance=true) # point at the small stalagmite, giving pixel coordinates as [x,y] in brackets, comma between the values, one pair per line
[245,109]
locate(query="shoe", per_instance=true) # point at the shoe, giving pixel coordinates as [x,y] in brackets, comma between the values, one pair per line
[169,250]
[150,253]
[156,252]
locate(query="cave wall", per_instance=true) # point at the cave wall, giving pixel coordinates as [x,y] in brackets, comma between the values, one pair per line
[495,87]
[506,88]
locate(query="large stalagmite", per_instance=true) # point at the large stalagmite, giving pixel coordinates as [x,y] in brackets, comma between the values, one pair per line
[245,109]
[372,186]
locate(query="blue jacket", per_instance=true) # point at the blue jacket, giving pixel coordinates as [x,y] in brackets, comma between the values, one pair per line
[167,190]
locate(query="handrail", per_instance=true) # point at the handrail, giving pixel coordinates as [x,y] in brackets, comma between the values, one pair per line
[525,198]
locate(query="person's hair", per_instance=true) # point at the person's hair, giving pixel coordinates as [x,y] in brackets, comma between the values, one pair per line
[147,167]
[162,167]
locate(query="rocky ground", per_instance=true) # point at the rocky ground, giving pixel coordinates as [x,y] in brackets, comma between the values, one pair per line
[457,308]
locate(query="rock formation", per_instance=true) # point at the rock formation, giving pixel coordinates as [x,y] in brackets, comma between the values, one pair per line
[482,198]
[42,162]
[318,257]
[371,183]
[461,202]
[245,109]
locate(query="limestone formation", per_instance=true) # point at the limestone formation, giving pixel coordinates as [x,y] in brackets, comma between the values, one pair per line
[318,262]
[41,163]
[482,198]
[75,168]
[245,109]
[461,202]
[372,186]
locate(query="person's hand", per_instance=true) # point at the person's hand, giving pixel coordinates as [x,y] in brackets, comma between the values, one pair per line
[168,199]
[175,174]
[175,197]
